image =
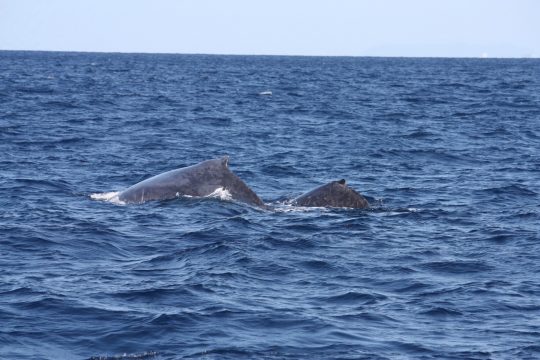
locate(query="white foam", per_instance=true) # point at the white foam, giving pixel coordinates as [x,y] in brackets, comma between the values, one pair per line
[268,92]
[397,212]
[287,206]
[221,193]
[111,197]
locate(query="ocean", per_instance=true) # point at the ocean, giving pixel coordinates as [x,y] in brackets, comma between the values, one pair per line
[444,265]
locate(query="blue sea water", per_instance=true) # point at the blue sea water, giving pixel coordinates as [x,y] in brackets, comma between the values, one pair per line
[445,265]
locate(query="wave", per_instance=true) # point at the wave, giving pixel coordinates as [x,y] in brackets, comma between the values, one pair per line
[356,298]
[126,356]
[111,197]
[457,266]
[441,312]
[514,189]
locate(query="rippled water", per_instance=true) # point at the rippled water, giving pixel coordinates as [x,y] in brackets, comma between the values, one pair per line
[445,265]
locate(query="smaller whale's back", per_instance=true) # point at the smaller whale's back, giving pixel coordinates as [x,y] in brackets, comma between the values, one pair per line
[333,194]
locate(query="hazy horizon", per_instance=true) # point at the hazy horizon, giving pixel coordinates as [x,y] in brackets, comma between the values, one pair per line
[388,28]
[269,55]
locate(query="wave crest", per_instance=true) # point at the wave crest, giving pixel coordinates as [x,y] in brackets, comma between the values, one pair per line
[111,197]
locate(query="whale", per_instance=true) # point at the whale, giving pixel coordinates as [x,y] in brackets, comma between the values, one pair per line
[333,194]
[198,180]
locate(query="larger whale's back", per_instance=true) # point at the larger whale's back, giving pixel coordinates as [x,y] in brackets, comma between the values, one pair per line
[197,180]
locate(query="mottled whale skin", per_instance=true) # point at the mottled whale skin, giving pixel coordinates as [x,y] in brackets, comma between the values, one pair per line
[333,194]
[197,180]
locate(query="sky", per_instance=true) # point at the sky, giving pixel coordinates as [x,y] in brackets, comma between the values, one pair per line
[434,28]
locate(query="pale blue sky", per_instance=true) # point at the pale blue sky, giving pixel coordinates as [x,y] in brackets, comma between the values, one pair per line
[493,28]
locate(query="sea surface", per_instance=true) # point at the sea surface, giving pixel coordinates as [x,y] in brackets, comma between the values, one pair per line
[444,265]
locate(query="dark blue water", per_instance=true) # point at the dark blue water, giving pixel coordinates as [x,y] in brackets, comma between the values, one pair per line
[446,265]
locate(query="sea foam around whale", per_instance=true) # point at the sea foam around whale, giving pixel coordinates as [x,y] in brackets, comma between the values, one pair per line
[113,196]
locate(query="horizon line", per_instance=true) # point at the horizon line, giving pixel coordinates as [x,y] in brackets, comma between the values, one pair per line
[271,55]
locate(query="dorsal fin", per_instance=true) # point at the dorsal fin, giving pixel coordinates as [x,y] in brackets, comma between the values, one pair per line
[225,161]
[342,182]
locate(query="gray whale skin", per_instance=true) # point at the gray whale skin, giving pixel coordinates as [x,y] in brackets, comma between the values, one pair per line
[197,180]
[333,194]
